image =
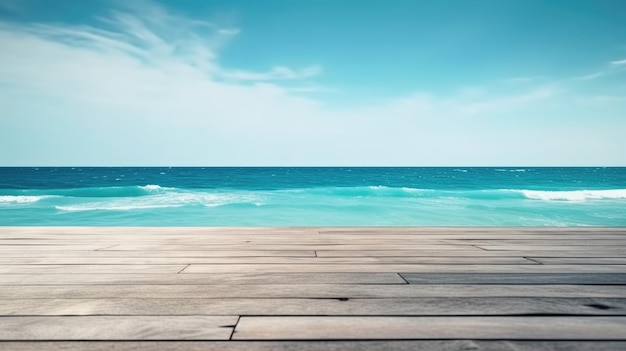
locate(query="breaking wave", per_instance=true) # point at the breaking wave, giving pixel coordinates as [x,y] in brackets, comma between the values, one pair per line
[575,195]
[157,197]
[154,196]
[154,204]
[19,199]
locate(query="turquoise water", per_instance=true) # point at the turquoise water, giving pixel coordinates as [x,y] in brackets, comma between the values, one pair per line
[326,196]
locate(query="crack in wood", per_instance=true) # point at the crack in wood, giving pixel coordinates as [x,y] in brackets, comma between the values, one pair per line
[401,277]
[183,269]
[234,328]
[530,259]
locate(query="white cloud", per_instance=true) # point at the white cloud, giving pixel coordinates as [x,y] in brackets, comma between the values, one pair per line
[148,87]
[506,103]
[618,62]
[229,31]
[276,73]
[608,71]
[140,92]
[311,89]
[591,76]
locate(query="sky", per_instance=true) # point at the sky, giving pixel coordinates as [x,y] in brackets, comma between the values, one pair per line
[313,83]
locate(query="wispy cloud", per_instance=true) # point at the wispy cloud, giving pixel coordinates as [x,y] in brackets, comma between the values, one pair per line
[156,37]
[229,31]
[607,98]
[276,73]
[591,76]
[607,71]
[311,89]
[506,103]
[148,80]
[618,62]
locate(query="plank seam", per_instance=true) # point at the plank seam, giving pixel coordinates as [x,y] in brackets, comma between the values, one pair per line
[232,333]
[401,277]
[326,315]
[532,260]
[499,339]
[183,269]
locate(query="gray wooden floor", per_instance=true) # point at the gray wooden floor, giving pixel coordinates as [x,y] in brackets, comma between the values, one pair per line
[106,288]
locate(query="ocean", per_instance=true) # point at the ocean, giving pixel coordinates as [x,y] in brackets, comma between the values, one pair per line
[312,196]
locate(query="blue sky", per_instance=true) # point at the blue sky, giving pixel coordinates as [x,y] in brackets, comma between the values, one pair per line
[324,82]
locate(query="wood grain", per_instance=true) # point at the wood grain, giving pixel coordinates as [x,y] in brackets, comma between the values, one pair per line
[307,288]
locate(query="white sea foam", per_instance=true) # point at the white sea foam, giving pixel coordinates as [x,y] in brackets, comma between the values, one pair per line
[19,199]
[575,195]
[151,187]
[163,199]
[216,200]
[381,190]
[419,191]
[386,188]
[111,207]
[510,170]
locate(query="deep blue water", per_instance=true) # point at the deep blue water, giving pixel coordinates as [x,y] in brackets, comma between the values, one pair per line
[313,196]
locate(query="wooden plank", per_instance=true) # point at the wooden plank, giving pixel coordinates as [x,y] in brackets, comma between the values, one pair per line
[589,241]
[463,276]
[163,253]
[201,279]
[91,269]
[208,238]
[306,291]
[153,230]
[463,238]
[379,245]
[298,230]
[470,251]
[205,242]
[309,345]
[427,306]
[307,240]
[580,260]
[260,260]
[473,230]
[308,268]
[565,246]
[517,279]
[518,328]
[52,247]
[469,237]
[473,251]
[117,328]
[404,268]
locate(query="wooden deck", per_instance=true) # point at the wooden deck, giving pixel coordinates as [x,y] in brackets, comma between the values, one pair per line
[106,288]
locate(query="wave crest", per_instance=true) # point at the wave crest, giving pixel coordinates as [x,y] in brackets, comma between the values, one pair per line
[171,198]
[152,188]
[19,199]
[574,195]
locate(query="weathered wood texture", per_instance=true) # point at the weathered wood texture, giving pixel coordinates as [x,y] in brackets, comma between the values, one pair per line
[100,288]
[517,328]
[312,345]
